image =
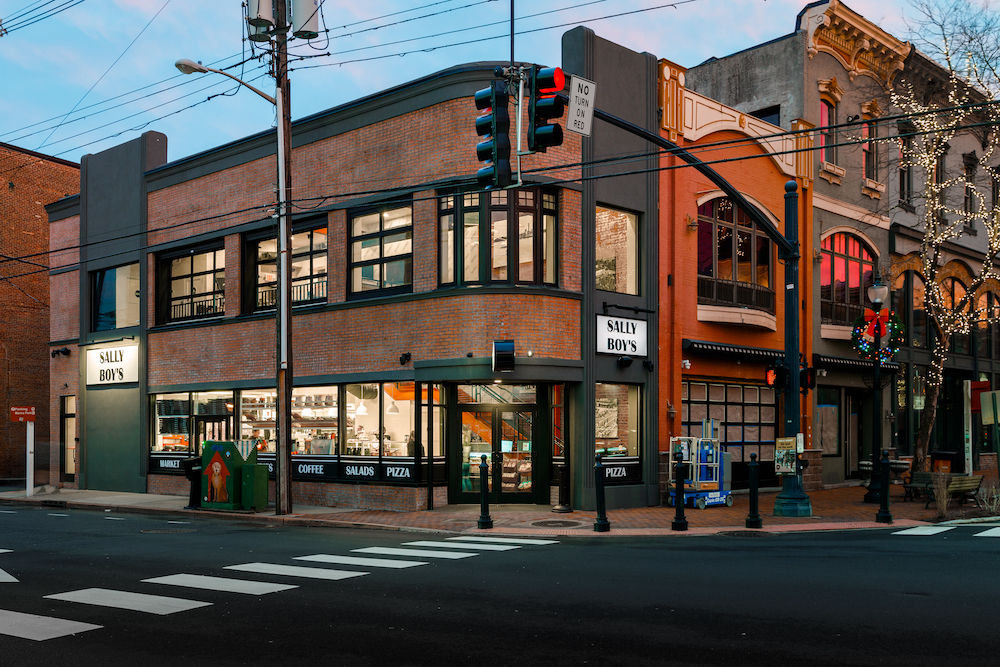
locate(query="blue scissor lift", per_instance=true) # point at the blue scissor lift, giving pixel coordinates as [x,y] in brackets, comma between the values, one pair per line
[708,470]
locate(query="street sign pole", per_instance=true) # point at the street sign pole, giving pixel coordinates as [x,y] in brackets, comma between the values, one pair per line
[26,414]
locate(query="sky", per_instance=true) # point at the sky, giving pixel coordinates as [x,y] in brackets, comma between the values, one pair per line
[82,76]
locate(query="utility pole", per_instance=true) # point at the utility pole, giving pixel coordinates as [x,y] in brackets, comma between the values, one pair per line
[283,455]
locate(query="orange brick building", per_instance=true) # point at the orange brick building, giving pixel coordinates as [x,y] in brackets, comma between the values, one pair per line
[28,181]
[405,276]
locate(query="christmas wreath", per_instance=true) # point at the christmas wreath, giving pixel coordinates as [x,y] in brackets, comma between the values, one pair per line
[887,325]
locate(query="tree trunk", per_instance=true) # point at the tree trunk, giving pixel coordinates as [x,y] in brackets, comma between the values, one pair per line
[927,416]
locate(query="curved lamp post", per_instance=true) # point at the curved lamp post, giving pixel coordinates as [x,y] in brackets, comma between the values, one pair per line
[877,294]
[283,295]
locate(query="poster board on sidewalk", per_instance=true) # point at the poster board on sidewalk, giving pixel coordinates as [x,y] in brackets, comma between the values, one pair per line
[784,456]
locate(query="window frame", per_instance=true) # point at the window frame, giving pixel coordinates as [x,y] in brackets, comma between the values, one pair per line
[382,260]
[869,149]
[458,208]
[717,291]
[827,131]
[636,258]
[905,169]
[829,256]
[252,262]
[165,279]
[95,300]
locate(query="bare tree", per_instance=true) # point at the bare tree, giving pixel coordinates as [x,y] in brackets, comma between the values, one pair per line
[963,38]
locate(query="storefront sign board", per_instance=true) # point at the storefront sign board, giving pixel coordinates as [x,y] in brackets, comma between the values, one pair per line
[113,365]
[621,335]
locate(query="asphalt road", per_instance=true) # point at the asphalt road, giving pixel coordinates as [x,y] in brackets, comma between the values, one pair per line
[844,598]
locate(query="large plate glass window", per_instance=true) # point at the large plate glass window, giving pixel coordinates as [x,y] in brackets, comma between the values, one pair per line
[192,285]
[617,252]
[381,251]
[734,258]
[497,237]
[115,299]
[846,272]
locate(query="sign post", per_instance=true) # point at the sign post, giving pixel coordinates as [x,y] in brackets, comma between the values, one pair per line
[27,414]
[581,105]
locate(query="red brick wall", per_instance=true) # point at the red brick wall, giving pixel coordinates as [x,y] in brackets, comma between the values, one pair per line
[30,182]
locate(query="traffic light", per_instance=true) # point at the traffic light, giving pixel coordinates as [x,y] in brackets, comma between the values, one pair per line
[542,108]
[494,125]
[807,378]
[776,376]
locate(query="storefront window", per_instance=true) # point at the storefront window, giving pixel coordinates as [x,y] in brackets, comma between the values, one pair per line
[616,420]
[617,252]
[437,420]
[173,423]
[257,418]
[559,420]
[741,416]
[116,298]
[497,393]
[314,421]
[828,420]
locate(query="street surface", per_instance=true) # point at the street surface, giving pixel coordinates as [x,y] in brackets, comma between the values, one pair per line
[88,588]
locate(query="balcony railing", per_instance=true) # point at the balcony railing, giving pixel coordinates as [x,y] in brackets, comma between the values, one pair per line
[303,292]
[198,306]
[714,292]
[832,312]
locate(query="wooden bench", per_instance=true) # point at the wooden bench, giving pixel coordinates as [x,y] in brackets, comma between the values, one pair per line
[962,487]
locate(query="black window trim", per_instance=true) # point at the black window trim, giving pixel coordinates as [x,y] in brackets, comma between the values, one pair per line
[164,300]
[250,286]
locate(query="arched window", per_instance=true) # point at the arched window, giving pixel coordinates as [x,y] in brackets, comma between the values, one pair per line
[846,272]
[734,258]
[952,292]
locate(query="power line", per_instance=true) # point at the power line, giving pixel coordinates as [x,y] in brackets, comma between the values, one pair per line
[32,20]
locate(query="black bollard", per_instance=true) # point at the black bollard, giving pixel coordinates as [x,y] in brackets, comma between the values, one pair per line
[563,505]
[883,515]
[601,525]
[484,494]
[753,519]
[679,522]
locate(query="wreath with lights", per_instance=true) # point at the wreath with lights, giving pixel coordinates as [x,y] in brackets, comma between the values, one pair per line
[865,327]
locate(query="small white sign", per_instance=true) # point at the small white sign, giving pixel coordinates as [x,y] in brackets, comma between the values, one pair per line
[620,335]
[113,365]
[990,401]
[581,105]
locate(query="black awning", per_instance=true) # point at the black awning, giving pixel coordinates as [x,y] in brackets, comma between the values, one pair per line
[731,351]
[855,365]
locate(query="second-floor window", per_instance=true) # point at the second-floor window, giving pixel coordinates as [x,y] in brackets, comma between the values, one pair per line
[905,170]
[192,285]
[846,272]
[869,150]
[115,298]
[381,251]
[308,271]
[503,236]
[734,258]
[827,132]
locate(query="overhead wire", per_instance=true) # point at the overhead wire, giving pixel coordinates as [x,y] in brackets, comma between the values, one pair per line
[32,20]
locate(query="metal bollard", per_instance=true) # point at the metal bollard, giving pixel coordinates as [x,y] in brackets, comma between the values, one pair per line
[753,519]
[563,505]
[883,515]
[679,522]
[484,494]
[601,525]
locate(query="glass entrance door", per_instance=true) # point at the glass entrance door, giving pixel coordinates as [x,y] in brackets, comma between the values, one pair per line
[503,435]
[210,428]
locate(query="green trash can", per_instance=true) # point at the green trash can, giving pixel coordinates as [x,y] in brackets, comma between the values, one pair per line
[254,491]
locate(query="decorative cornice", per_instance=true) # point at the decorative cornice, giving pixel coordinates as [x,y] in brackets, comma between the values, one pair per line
[831,88]
[858,44]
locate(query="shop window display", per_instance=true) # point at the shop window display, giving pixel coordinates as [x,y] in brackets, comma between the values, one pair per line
[616,415]
[173,423]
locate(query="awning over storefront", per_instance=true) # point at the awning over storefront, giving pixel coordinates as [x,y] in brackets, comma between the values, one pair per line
[852,365]
[731,351]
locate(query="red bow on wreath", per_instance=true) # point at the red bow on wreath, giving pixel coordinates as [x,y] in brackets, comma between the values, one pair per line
[876,322]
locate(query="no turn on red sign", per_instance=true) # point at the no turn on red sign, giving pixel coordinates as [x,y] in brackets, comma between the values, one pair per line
[22,413]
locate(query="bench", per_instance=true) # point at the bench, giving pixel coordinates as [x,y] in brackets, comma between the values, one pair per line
[962,487]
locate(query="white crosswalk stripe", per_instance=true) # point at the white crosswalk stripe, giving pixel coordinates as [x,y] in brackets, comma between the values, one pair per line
[361,562]
[924,530]
[295,571]
[503,540]
[420,553]
[992,532]
[150,604]
[469,545]
[39,628]
[4,551]
[222,584]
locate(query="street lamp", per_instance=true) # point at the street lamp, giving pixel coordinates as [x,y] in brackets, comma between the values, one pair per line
[877,294]
[283,296]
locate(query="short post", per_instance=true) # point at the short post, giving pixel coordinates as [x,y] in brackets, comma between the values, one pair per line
[563,505]
[484,494]
[883,515]
[601,525]
[753,519]
[679,522]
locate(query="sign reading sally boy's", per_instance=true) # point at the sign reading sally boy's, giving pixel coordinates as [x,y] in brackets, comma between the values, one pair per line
[620,335]
[113,365]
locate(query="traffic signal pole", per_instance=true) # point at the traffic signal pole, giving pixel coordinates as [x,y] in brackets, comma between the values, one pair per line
[792,501]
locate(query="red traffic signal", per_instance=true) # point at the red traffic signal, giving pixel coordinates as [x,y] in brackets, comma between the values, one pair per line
[543,108]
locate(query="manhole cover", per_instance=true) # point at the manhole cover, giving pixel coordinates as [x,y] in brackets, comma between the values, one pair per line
[557,523]
[163,531]
[744,533]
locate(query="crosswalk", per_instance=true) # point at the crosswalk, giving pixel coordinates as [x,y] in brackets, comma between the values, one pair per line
[370,560]
[927,531]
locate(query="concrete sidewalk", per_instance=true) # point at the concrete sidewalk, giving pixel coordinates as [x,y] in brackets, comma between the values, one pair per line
[833,509]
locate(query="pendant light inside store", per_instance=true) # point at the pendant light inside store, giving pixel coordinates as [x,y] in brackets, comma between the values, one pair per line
[392,409]
[362,410]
